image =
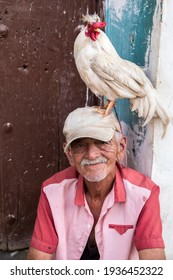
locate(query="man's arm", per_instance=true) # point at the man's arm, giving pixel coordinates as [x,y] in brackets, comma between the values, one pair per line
[44,239]
[149,230]
[152,254]
[34,254]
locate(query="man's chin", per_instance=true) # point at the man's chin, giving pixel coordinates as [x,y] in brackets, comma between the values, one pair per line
[95,178]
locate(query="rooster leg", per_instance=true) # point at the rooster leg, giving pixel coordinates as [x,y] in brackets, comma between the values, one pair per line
[106,104]
[107,108]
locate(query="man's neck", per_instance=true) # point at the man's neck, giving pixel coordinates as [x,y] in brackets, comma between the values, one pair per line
[99,190]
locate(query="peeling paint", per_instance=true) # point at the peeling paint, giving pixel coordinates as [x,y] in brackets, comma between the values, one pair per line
[138,148]
[116,7]
[127,19]
[129,29]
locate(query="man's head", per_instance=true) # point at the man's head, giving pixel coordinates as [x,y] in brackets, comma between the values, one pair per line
[93,143]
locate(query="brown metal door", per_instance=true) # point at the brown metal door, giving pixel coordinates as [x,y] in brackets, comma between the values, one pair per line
[39,86]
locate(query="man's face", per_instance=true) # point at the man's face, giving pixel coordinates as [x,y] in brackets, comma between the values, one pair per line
[95,159]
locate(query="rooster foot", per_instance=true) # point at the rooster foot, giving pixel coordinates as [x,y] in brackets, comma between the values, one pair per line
[106,110]
[101,111]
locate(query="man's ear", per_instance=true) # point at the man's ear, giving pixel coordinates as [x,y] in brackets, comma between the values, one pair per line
[69,155]
[121,148]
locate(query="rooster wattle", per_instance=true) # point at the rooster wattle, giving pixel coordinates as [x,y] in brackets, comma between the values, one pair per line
[106,74]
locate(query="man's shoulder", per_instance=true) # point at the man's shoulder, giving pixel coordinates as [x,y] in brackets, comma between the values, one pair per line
[137,178]
[68,173]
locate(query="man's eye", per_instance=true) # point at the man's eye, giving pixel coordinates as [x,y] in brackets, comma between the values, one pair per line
[78,145]
[81,145]
[101,142]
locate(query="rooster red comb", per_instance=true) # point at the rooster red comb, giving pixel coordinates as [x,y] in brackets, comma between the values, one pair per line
[99,24]
[92,29]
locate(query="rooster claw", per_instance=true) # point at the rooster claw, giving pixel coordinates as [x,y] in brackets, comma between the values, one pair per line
[103,112]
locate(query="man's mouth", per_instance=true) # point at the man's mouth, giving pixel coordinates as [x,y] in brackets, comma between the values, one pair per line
[86,162]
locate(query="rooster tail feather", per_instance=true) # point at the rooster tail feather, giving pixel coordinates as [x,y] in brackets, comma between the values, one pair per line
[135,104]
[160,112]
[145,107]
[164,115]
[151,104]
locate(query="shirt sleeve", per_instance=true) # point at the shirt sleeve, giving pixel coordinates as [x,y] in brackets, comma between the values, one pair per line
[148,233]
[44,236]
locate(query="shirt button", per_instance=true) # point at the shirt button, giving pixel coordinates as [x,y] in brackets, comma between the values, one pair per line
[88,226]
[81,249]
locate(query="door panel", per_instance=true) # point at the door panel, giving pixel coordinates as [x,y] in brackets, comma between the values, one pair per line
[39,86]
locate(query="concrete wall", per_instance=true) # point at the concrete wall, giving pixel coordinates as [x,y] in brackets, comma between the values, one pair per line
[162,168]
[142,31]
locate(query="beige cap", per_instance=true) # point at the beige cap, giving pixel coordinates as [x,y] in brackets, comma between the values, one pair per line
[87,122]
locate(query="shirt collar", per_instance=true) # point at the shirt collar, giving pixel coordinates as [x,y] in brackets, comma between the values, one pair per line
[79,198]
[119,190]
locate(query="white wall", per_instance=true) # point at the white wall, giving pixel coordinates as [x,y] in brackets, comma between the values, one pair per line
[162,169]
[154,157]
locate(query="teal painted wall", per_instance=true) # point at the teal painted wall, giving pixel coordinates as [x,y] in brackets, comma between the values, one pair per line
[129,26]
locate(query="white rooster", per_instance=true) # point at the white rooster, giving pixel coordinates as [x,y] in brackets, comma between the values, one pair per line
[106,74]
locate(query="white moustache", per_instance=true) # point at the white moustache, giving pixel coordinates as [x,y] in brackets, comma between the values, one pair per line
[85,162]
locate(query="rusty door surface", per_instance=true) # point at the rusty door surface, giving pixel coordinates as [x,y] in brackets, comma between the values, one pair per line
[39,86]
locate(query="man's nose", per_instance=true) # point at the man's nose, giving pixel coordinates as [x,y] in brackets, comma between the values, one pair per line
[92,151]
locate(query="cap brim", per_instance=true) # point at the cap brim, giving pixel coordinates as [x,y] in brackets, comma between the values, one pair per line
[99,133]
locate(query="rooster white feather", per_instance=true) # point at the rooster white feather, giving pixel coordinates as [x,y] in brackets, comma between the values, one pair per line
[106,74]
